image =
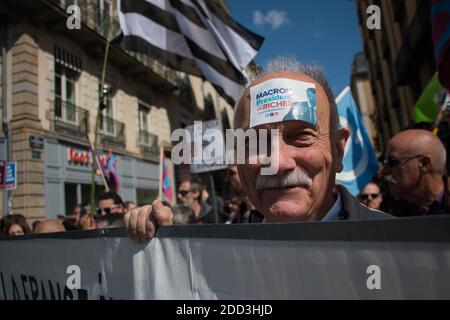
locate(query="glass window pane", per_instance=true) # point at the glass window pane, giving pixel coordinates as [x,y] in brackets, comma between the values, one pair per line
[143,118]
[58,107]
[86,193]
[58,69]
[70,91]
[70,112]
[145,196]
[70,193]
[58,85]
[109,107]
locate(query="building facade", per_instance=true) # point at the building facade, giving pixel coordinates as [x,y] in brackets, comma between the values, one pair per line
[52,96]
[363,96]
[400,60]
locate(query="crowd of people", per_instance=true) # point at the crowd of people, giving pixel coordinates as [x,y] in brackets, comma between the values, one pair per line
[412,181]
[194,206]
[109,212]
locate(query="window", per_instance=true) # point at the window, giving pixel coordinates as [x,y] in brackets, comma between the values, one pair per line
[210,112]
[65,93]
[225,121]
[104,16]
[145,196]
[148,141]
[107,117]
[184,87]
[144,113]
[77,193]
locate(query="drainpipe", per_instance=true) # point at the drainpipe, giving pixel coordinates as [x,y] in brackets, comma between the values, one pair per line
[5,123]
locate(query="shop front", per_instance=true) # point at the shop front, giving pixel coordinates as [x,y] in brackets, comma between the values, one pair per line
[68,177]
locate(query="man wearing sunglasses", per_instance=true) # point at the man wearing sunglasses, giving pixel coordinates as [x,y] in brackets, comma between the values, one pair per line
[414,169]
[190,192]
[110,203]
[371,196]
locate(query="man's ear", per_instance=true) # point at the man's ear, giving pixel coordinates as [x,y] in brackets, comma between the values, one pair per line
[197,195]
[425,164]
[339,144]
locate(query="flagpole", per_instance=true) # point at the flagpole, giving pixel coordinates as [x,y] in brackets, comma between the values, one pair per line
[161,161]
[97,121]
[438,120]
[97,161]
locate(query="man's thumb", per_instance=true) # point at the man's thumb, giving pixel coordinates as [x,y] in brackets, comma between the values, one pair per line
[161,213]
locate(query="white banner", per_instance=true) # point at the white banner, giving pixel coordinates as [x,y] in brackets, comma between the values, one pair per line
[400,259]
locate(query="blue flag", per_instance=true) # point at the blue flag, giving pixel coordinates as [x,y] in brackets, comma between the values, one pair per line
[360,162]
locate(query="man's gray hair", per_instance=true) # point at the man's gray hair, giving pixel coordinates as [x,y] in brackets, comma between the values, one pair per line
[291,64]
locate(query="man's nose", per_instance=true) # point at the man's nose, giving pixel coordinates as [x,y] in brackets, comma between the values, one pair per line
[286,159]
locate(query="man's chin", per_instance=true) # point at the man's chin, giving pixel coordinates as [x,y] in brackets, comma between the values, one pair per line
[285,211]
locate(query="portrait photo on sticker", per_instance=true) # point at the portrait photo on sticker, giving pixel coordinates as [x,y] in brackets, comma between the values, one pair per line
[283,99]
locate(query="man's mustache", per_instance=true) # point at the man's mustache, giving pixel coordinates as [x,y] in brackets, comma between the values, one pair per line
[294,178]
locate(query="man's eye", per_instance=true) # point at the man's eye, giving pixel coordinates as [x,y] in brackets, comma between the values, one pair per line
[300,138]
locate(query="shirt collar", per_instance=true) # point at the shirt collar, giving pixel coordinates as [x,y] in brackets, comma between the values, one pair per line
[334,211]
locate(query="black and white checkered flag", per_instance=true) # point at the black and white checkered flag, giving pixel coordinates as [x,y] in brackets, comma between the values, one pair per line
[197,37]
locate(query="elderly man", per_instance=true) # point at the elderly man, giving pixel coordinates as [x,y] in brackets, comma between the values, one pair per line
[310,153]
[414,167]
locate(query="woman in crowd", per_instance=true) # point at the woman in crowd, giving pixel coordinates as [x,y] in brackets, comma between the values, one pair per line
[15,225]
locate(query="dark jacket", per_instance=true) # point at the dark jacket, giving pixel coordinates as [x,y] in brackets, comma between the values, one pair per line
[402,208]
[206,214]
[352,209]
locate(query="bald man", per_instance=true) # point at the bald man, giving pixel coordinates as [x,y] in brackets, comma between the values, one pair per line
[295,99]
[414,168]
[49,226]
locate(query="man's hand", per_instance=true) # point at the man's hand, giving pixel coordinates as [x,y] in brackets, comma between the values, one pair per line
[141,223]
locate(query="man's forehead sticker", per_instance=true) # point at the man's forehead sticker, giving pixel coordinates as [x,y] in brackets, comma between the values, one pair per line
[282,99]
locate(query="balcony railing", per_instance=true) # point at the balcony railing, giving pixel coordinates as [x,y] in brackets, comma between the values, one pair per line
[112,132]
[148,142]
[70,120]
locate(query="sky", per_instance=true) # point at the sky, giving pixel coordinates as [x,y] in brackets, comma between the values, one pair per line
[323,31]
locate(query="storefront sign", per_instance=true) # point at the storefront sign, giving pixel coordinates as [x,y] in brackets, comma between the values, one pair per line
[78,157]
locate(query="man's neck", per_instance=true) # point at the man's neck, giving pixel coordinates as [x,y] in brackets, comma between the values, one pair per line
[426,195]
[196,206]
[328,204]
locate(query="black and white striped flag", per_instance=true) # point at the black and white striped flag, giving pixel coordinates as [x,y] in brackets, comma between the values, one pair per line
[193,36]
